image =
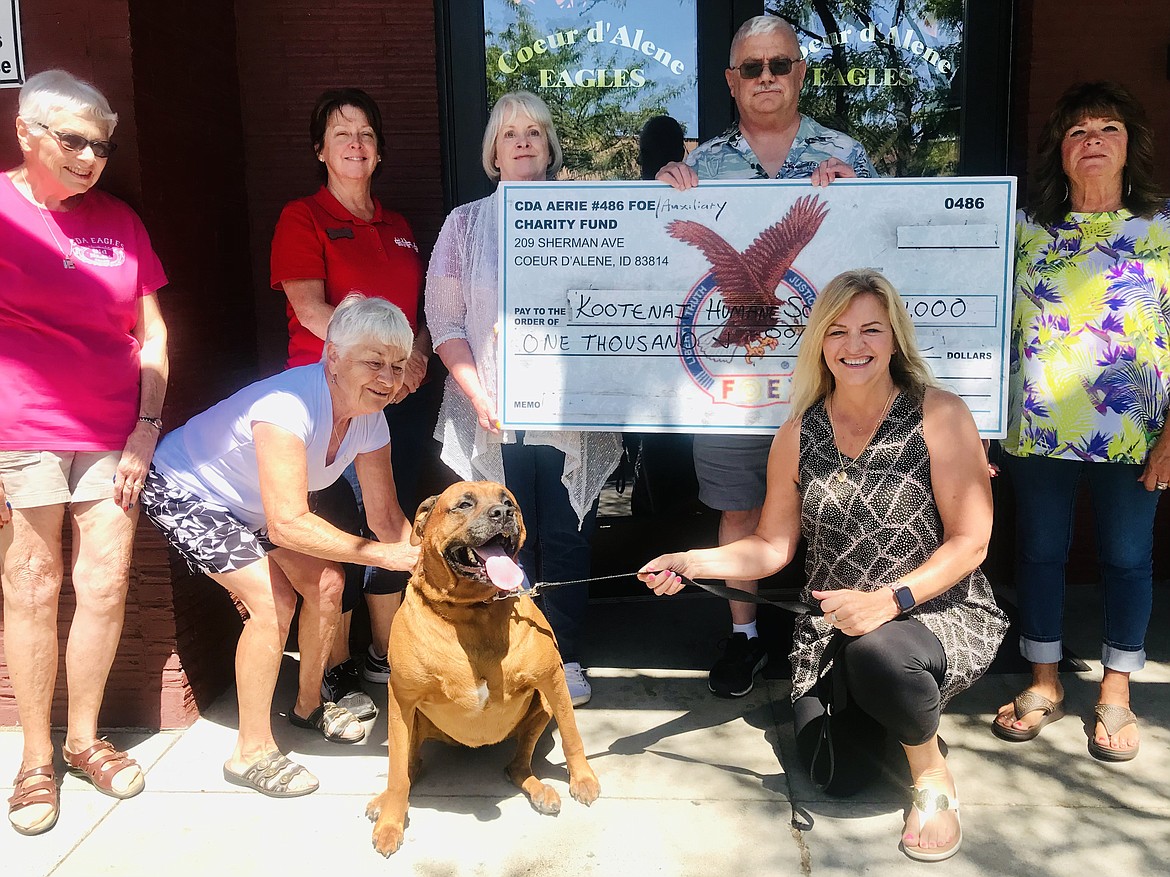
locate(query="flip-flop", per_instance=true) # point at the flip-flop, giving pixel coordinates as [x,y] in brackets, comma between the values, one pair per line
[1114,718]
[1028,702]
[928,802]
[335,723]
[270,775]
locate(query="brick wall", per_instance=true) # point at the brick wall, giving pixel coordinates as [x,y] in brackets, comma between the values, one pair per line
[289,52]
[194,198]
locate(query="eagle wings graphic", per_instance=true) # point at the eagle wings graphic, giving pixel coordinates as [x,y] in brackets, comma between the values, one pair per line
[747,281]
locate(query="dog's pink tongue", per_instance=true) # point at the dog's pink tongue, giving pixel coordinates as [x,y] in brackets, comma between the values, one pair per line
[501,569]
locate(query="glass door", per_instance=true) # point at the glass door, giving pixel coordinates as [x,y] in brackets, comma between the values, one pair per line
[921,83]
[603,67]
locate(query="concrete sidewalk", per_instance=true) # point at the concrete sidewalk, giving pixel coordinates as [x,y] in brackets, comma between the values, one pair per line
[691,785]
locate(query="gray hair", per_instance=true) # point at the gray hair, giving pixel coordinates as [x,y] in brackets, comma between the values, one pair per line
[508,107]
[758,26]
[53,90]
[363,319]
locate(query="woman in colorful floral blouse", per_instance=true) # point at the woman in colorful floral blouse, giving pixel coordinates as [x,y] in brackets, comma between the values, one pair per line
[1090,380]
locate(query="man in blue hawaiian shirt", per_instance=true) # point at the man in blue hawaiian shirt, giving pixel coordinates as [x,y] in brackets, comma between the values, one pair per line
[771,141]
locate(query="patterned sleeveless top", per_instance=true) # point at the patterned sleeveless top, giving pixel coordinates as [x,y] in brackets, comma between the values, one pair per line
[868,535]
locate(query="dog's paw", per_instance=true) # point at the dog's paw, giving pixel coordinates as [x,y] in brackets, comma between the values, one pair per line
[585,789]
[387,837]
[374,808]
[544,798]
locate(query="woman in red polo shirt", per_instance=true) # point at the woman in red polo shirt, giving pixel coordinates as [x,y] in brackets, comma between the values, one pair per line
[334,242]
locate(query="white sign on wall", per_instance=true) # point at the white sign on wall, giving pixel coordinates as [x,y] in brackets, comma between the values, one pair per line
[11,59]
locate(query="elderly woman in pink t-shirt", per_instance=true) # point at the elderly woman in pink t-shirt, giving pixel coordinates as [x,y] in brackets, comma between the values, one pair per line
[82,381]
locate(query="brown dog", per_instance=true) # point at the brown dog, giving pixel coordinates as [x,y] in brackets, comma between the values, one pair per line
[474,662]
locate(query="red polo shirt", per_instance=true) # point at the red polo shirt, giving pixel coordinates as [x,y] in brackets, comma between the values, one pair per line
[318,239]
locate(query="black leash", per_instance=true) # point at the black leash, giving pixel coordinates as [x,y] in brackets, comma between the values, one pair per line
[800,820]
[794,606]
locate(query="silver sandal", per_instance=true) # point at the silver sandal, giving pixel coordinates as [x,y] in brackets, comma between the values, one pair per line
[928,802]
[336,723]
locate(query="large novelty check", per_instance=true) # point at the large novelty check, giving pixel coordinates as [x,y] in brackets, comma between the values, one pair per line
[632,306]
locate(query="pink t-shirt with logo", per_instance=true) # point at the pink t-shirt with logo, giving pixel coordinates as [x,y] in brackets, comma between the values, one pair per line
[69,365]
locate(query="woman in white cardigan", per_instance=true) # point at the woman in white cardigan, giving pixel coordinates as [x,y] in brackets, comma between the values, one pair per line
[555,476]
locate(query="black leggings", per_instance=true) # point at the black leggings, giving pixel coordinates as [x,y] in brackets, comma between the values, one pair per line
[892,677]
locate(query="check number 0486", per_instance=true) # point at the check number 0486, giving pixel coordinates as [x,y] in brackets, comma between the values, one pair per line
[963,203]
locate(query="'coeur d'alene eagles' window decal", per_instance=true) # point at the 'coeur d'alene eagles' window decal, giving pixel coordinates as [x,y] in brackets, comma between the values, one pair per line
[603,67]
[884,72]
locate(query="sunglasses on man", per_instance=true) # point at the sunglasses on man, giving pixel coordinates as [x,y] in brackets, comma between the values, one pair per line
[754,68]
[77,143]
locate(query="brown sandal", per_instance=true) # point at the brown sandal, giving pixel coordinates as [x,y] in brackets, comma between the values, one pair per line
[1113,718]
[43,790]
[99,764]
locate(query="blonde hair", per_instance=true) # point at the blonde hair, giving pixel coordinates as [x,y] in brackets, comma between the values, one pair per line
[812,379]
[507,108]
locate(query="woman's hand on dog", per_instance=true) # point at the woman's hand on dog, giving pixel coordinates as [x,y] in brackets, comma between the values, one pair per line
[400,556]
[663,575]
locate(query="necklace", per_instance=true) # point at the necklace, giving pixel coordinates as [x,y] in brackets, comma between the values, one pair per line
[65,260]
[841,474]
[65,255]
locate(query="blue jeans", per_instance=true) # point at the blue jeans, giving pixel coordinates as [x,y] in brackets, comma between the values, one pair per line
[1046,489]
[556,549]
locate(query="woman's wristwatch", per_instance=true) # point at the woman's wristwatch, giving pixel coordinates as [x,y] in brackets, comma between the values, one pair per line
[904,597]
[156,422]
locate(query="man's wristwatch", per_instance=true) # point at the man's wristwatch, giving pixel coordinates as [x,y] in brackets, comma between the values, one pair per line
[904,598]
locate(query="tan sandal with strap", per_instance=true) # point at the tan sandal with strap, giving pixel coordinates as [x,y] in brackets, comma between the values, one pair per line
[272,775]
[1113,718]
[42,790]
[99,764]
[1028,701]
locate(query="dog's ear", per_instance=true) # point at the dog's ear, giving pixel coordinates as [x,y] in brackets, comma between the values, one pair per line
[420,519]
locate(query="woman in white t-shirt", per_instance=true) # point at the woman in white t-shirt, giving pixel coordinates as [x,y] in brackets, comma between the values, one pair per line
[230,490]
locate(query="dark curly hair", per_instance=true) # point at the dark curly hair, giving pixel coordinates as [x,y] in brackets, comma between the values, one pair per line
[1049,199]
[334,99]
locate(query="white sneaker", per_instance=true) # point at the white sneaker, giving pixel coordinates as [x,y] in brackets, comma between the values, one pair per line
[579,688]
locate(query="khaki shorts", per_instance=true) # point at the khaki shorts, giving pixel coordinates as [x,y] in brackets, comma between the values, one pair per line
[40,478]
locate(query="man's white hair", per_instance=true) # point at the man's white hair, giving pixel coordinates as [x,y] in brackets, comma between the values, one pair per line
[54,90]
[757,26]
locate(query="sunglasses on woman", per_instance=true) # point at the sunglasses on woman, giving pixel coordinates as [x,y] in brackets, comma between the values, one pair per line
[77,143]
[754,68]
